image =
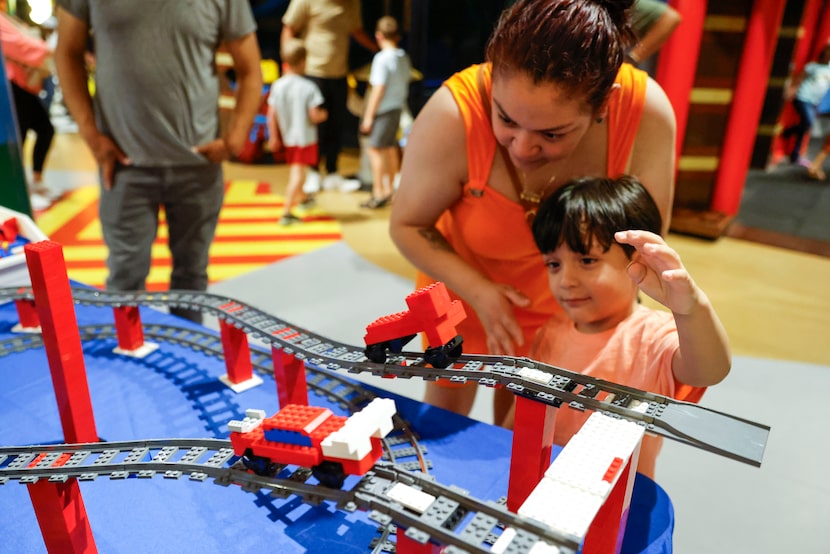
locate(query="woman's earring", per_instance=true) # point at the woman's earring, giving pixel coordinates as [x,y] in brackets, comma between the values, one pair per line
[599,120]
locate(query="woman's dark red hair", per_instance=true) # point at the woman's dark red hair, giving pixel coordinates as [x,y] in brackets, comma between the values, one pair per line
[578,44]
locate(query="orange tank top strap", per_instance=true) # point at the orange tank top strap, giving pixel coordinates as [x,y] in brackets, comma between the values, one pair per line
[624,112]
[475,109]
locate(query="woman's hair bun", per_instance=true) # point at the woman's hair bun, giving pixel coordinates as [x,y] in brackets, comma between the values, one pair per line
[618,10]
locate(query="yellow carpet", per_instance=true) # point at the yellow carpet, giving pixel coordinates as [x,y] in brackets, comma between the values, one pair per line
[247,237]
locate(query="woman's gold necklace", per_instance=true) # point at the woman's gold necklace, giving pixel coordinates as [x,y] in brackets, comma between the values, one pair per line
[531,199]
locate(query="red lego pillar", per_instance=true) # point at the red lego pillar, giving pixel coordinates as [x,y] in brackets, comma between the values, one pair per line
[62,517]
[748,100]
[677,64]
[58,506]
[27,314]
[240,376]
[56,310]
[606,532]
[130,334]
[405,545]
[289,373]
[128,327]
[532,445]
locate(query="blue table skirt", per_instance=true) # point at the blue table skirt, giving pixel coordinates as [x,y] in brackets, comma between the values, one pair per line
[175,392]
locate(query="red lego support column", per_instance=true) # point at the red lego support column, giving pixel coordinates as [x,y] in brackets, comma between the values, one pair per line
[532,444]
[56,310]
[677,64]
[747,102]
[62,517]
[130,334]
[606,532]
[240,376]
[27,314]
[128,327]
[405,545]
[289,373]
[59,506]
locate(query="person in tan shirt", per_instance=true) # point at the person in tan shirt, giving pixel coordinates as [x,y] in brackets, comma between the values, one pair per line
[326,27]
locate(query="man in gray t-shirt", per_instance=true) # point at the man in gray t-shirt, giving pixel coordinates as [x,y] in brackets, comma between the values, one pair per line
[154,128]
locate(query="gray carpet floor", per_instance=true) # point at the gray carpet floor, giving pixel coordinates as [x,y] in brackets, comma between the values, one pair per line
[785,200]
[721,506]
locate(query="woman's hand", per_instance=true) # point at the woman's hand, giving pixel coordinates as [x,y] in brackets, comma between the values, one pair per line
[494,306]
[658,271]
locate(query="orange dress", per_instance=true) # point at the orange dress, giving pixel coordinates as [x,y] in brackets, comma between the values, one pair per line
[489,231]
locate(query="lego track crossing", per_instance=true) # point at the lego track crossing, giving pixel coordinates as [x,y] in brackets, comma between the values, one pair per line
[687,423]
[428,510]
[401,447]
[453,517]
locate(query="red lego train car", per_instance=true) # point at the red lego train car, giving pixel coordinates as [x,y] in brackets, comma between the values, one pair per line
[431,311]
[313,437]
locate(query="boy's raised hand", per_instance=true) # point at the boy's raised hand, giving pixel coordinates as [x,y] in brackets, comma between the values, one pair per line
[658,271]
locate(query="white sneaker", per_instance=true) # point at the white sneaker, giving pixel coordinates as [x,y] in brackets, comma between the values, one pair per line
[332,181]
[39,202]
[47,192]
[349,185]
[312,182]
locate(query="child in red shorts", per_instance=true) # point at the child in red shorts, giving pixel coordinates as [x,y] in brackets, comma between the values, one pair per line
[295,107]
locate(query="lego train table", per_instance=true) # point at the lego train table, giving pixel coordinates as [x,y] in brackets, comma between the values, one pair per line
[175,392]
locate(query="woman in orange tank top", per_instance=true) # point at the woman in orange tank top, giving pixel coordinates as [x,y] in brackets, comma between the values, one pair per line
[553,102]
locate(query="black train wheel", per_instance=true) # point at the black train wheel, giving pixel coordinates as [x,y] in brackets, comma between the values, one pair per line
[442,357]
[330,474]
[376,352]
[258,464]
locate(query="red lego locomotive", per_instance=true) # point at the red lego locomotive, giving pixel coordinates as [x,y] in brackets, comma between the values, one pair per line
[313,437]
[432,312]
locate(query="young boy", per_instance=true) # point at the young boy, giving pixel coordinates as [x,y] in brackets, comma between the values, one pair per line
[596,267]
[389,78]
[294,110]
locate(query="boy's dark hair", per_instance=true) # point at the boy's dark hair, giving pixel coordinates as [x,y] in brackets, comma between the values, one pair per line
[387,26]
[593,209]
[293,52]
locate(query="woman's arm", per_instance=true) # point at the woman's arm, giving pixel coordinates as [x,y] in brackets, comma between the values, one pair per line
[433,172]
[653,155]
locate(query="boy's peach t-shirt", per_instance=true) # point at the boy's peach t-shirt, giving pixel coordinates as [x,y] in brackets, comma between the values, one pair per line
[636,353]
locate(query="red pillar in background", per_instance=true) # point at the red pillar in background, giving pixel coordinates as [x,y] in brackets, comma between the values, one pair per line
[677,64]
[56,311]
[128,327]
[240,376]
[747,103]
[237,352]
[532,445]
[59,507]
[822,36]
[289,373]
[27,314]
